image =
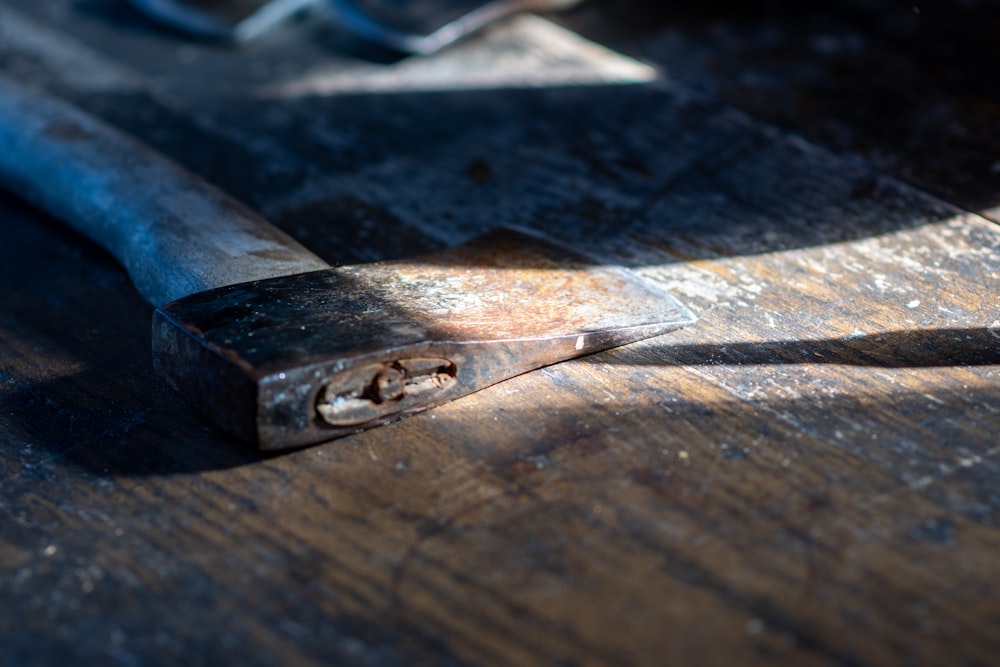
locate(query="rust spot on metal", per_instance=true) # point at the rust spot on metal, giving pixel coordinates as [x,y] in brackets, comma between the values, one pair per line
[372,391]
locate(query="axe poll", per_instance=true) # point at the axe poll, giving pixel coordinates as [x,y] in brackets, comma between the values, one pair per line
[271,342]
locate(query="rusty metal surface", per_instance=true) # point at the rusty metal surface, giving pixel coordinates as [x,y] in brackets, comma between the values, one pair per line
[302,359]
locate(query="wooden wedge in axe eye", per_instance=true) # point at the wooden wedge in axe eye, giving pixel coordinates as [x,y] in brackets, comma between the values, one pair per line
[276,346]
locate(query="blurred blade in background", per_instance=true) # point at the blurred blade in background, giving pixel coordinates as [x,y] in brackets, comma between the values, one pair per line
[409,26]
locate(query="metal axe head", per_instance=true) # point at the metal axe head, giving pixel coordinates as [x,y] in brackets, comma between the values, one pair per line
[301,359]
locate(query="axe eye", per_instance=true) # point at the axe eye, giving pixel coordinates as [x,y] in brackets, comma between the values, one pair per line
[375,391]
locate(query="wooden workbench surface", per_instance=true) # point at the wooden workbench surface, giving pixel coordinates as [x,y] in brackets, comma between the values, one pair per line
[808,475]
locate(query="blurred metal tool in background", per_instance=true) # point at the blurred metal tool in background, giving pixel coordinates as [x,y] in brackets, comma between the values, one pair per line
[409,26]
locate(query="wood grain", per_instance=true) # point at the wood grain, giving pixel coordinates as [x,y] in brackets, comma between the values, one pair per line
[806,476]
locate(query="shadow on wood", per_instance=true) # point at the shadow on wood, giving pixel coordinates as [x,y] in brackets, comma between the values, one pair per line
[918,348]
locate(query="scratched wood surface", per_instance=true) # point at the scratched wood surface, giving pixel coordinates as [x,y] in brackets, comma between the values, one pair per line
[808,475]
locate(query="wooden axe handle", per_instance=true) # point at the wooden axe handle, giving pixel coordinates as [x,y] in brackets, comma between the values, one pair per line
[174,233]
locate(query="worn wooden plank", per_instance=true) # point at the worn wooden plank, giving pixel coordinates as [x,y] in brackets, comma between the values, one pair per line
[807,475]
[911,87]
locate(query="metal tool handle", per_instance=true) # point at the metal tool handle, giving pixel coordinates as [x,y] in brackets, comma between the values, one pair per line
[174,233]
[426,27]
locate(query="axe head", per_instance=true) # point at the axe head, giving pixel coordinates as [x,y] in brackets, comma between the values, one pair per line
[298,360]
